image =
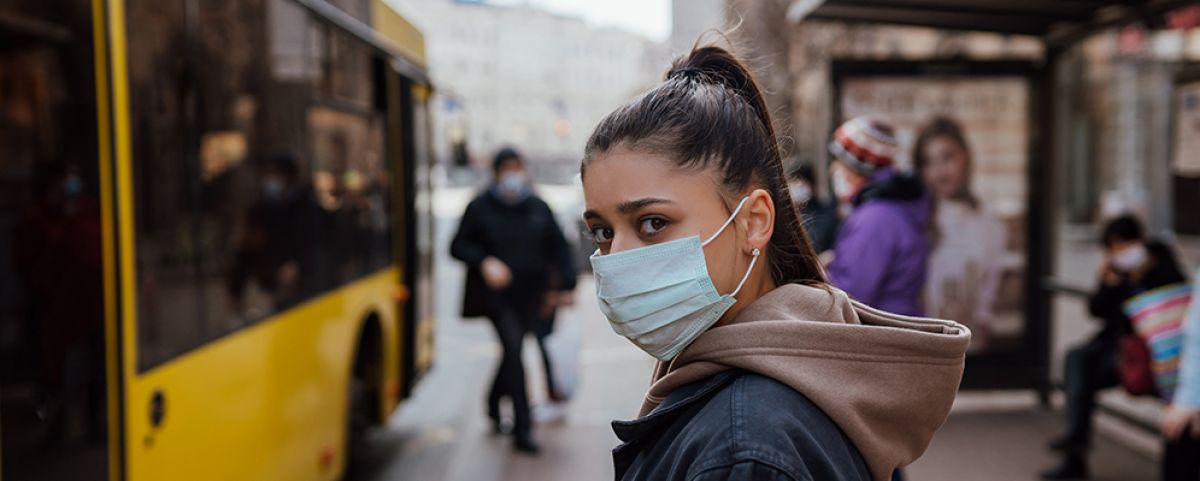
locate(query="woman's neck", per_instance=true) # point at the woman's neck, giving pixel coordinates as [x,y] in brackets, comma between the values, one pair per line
[754,289]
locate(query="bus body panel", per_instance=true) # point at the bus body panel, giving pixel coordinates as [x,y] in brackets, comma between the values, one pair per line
[265,403]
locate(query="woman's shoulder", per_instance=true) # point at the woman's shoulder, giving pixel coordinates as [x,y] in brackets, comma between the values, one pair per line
[763,421]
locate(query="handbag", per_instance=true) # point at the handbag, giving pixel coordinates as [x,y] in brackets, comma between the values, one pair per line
[1134,366]
[1157,316]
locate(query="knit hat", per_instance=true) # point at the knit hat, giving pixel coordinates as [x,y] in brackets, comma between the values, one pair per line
[864,144]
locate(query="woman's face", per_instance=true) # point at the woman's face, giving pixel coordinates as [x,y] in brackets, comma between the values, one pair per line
[635,199]
[945,168]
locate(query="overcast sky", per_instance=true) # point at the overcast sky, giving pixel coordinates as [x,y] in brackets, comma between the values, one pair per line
[651,18]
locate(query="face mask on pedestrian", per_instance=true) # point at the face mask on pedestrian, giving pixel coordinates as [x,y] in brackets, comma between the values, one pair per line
[661,297]
[843,185]
[801,193]
[273,188]
[512,187]
[1130,258]
[73,186]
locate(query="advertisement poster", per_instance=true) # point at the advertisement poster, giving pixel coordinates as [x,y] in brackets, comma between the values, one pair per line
[1187,130]
[968,139]
[1185,163]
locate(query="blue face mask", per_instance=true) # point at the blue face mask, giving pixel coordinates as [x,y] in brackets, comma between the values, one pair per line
[512,188]
[660,297]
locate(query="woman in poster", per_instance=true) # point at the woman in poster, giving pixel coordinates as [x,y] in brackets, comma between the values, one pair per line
[966,263]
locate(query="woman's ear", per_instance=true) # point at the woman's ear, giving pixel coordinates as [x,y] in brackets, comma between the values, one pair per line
[759,220]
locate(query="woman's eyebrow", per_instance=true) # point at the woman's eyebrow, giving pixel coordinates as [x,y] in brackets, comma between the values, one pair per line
[629,206]
[633,205]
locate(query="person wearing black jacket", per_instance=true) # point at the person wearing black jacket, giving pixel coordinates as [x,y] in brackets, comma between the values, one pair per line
[1132,265]
[509,240]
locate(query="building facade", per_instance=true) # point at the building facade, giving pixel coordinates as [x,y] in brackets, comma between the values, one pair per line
[519,76]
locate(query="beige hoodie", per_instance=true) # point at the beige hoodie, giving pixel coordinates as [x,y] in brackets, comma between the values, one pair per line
[888,381]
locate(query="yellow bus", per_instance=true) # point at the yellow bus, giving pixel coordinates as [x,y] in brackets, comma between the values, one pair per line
[214,235]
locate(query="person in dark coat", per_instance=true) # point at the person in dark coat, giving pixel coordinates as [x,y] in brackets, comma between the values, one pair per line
[1132,265]
[509,239]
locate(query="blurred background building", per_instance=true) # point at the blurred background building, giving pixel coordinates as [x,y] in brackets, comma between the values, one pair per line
[513,74]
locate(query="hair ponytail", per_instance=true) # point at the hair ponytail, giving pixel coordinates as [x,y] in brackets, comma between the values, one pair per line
[710,113]
[717,66]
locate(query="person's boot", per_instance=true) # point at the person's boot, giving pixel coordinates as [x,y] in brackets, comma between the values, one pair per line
[1064,444]
[493,414]
[1071,467]
[523,442]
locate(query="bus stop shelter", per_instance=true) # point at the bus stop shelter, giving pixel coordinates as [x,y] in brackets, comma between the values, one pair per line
[1058,26]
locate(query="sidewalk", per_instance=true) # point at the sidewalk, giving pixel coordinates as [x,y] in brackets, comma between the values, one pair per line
[1003,436]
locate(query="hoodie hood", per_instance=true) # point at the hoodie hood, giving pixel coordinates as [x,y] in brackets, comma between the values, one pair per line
[891,185]
[905,192]
[888,381]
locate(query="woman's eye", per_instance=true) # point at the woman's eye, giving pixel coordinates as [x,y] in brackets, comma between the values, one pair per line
[601,235]
[653,226]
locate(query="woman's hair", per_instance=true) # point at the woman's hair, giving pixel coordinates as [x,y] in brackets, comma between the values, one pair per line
[709,113]
[946,128]
[1123,228]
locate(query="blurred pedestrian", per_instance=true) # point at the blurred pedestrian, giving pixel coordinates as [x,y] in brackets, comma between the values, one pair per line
[1181,421]
[880,254]
[1131,265]
[266,251]
[967,261]
[819,217]
[508,238]
[703,265]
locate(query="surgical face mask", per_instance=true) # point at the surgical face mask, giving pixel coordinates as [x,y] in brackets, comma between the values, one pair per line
[73,185]
[512,187]
[660,297]
[273,188]
[1130,258]
[843,187]
[801,193]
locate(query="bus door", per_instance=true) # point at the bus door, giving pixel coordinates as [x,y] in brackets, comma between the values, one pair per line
[58,404]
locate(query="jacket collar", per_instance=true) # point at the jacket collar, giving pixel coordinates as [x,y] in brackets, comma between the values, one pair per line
[675,403]
[633,434]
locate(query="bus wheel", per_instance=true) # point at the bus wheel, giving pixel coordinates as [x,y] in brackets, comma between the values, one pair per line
[358,421]
[362,396]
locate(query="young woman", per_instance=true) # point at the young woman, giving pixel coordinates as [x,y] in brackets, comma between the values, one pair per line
[967,259]
[766,372]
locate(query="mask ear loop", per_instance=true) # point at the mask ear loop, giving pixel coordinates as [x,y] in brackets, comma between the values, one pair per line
[750,269]
[727,221]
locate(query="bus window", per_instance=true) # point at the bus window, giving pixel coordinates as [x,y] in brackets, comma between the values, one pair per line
[254,189]
[352,182]
[52,382]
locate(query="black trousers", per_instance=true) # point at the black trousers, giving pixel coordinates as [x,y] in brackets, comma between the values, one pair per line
[1089,369]
[1181,459]
[511,327]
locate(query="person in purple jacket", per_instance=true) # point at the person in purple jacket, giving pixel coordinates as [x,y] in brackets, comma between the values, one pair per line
[881,251]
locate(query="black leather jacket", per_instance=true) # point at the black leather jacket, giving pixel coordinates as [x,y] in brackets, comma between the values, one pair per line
[736,426]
